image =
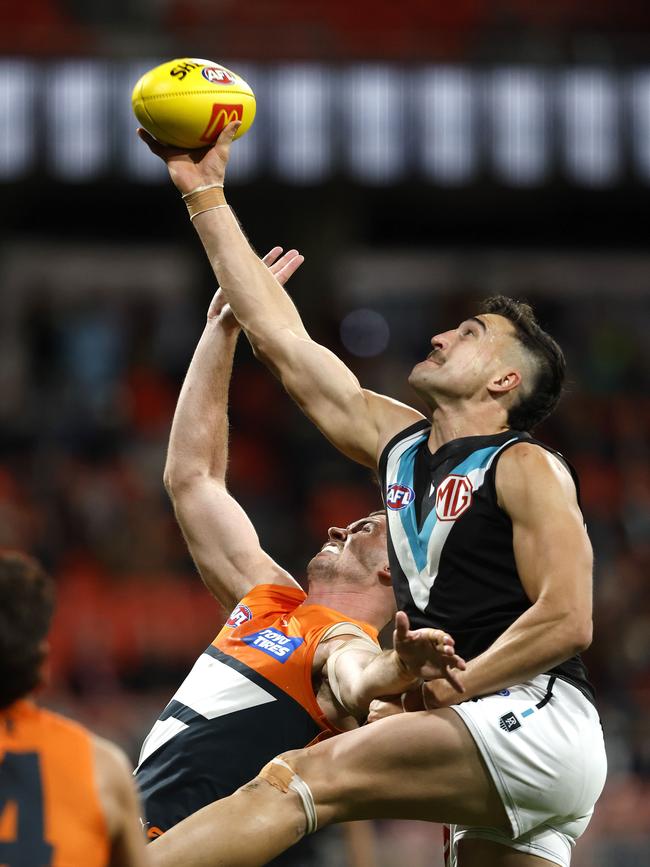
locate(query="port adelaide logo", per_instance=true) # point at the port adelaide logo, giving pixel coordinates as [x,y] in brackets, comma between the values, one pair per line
[509,722]
[399,497]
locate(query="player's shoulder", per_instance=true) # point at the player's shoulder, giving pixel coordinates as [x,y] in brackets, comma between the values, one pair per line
[114,778]
[286,595]
[528,468]
[526,458]
[59,726]
[110,758]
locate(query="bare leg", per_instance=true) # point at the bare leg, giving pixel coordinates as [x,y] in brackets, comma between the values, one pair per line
[409,766]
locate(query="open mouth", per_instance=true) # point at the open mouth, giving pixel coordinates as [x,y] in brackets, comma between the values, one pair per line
[331,547]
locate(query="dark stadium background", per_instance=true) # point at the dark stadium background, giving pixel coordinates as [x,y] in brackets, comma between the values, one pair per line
[104,288]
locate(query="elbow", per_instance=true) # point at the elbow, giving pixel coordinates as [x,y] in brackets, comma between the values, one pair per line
[578,634]
[584,635]
[266,350]
[173,479]
[179,482]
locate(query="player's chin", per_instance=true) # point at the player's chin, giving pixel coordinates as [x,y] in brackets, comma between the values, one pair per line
[423,376]
[321,559]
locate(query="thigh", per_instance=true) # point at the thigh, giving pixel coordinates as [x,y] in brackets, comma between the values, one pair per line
[421,765]
[485,853]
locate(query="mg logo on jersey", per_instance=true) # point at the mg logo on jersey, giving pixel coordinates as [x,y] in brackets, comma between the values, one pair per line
[453,497]
[216,75]
[274,643]
[399,496]
[240,615]
[221,116]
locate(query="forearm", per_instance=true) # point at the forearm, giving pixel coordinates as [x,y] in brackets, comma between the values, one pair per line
[198,442]
[259,302]
[384,675]
[537,641]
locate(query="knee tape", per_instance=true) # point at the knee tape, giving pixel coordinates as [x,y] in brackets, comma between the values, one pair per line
[282,777]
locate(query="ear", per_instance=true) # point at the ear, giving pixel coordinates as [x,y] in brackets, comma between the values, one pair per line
[505,382]
[384,575]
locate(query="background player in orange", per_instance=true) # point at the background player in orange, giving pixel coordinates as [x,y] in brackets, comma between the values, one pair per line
[66,797]
[287,665]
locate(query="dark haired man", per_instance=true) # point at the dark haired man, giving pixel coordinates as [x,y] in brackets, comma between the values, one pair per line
[486,540]
[66,797]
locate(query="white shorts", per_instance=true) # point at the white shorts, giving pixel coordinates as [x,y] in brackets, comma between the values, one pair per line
[547,760]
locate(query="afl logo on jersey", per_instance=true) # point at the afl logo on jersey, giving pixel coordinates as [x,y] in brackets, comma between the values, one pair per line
[399,496]
[240,615]
[453,497]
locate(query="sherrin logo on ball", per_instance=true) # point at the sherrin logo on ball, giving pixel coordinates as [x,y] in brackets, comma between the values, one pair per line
[187,102]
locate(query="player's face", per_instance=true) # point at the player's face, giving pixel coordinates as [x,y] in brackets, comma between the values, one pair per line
[358,549]
[464,360]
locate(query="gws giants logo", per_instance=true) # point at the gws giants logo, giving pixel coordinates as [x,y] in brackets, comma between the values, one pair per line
[240,615]
[453,497]
[221,116]
[399,496]
[216,75]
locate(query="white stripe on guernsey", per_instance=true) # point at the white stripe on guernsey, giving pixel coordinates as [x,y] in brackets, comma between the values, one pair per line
[161,732]
[212,689]
[421,581]
[397,535]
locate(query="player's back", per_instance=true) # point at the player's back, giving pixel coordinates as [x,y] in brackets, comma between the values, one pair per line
[248,698]
[50,810]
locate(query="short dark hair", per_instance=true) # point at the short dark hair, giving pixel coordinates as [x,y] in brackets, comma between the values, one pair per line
[550,364]
[26,608]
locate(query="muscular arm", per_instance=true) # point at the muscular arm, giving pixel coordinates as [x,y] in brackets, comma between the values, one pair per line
[220,537]
[554,561]
[355,420]
[362,675]
[120,805]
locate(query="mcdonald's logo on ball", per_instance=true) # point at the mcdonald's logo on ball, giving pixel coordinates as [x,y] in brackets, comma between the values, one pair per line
[221,116]
[187,102]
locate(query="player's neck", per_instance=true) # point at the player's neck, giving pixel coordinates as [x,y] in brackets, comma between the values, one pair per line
[451,422]
[356,603]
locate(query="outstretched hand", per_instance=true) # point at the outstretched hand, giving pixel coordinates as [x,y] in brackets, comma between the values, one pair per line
[282,268]
[427,653]
[199,167]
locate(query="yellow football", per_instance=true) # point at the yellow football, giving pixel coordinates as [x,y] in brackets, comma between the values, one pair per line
[187,102]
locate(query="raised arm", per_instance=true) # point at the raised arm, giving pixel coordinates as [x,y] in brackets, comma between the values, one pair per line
[355,420]
[220,536]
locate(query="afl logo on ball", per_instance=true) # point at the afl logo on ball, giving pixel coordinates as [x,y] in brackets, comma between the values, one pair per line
[240,615]
[216,75]
[453,497]
[399,496]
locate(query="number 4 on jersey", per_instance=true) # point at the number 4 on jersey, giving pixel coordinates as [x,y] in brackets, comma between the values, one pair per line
[21,792]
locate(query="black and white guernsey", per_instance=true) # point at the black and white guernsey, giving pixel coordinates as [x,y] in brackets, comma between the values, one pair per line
[450,543]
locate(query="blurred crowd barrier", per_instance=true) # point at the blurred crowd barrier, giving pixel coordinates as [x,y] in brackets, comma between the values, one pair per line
[519,123]
[288,28]
[89,381]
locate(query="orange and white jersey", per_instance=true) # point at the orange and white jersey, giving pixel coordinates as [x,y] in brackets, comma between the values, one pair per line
[50,813]
[248,698]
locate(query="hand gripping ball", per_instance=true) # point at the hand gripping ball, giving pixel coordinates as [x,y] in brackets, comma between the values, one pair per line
[187,102]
